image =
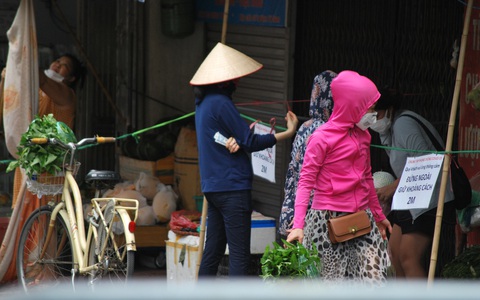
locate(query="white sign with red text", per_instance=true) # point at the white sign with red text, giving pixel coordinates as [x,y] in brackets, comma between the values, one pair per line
[263,162]
[417,182]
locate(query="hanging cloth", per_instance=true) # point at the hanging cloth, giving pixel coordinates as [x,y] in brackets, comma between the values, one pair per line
[20,103]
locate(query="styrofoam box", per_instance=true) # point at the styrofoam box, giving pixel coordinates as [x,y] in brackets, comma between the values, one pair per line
[263,233]
[182,251]
[182,258]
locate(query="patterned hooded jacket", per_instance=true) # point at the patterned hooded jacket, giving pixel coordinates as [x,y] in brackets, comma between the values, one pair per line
[321,105]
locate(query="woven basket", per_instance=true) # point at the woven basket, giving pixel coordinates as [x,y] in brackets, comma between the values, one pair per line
[48,184]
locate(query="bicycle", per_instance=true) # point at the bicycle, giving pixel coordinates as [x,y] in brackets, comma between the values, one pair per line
[53,246]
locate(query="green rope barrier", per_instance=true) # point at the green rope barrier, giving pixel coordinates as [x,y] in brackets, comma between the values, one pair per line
[133,134]
[136,134]
[266,124]
[424,151]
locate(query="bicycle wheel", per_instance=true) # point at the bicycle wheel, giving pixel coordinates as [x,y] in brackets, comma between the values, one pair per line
[115,263]
[34,270]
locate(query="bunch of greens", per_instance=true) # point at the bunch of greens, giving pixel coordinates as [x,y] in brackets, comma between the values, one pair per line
[290,261]
[38,159]
[464,266]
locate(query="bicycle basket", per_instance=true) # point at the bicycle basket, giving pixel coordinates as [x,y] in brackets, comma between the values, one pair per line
[48,184]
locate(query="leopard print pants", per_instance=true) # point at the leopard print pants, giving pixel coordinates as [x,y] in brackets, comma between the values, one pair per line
[363,260]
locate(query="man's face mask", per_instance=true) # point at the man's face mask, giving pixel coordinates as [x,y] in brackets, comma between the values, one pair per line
[382,125]
[367,120]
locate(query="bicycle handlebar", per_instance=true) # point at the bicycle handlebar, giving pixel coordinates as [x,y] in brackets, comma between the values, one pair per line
[85,141]
[102,140]
[39,141]
[72,147]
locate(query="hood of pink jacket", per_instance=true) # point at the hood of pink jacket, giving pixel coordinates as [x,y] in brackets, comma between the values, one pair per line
[353,94]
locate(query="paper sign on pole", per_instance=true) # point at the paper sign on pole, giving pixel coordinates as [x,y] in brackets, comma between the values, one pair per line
[263,162]
[417,182]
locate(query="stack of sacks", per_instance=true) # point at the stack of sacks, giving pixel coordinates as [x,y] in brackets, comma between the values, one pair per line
[163,199]
[164,203]
[121,190]
[146,189]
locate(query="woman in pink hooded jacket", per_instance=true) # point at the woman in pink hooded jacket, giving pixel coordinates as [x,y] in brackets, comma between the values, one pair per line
[337,167]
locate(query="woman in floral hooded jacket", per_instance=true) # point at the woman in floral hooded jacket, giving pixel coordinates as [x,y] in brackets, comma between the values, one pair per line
[321,105]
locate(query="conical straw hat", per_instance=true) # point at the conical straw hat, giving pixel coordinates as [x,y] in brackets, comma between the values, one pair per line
[224,63]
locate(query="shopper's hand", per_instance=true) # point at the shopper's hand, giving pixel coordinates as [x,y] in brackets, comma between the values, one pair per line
[292,122]
[383,226]
[295,235]
[232,145]
[385,194]
[4,71]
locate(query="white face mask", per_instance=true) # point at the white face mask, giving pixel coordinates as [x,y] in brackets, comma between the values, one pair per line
[382,125]
[367,120]
[54,75]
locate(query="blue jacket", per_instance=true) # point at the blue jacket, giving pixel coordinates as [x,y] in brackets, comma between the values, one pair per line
[221,170]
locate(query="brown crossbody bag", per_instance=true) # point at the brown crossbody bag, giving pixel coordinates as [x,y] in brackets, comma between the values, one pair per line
[347,227]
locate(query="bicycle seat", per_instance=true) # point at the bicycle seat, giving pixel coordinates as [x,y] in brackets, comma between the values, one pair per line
[96,175]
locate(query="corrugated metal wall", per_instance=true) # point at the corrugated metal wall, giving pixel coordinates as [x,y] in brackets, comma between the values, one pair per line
[268,88]
[111,34]
[96,31]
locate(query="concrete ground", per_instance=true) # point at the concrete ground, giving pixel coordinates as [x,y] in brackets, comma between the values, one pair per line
[148,267]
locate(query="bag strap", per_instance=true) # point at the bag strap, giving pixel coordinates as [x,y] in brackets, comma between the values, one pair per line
[427,131]
[433,139]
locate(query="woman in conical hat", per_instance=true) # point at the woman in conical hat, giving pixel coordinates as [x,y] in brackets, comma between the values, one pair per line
[225,170]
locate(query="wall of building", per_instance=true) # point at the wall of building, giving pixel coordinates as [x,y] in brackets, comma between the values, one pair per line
[170,63]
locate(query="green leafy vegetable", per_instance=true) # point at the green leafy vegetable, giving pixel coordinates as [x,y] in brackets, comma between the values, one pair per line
[291,261]
[38,159]
[464,266]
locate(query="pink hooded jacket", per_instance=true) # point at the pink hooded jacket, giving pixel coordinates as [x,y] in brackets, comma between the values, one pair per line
[337,159]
